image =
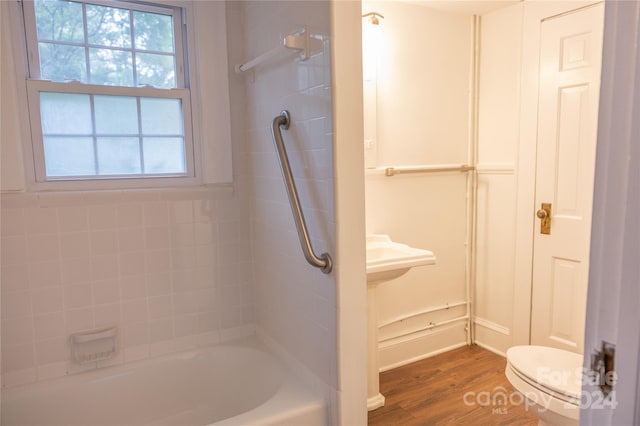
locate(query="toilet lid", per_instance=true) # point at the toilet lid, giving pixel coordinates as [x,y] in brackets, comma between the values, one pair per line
[557,370]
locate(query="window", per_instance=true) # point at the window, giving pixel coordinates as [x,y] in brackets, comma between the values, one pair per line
[107,89]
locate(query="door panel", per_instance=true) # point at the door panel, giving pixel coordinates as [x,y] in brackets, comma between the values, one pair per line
[570,62]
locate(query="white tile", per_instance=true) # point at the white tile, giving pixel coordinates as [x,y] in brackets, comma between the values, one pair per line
[208,321]
[60,199]
[205,233]
[49,326]
[14,278]
[158,284]
[135,334]
[46,300]
[52,370]
[156,214]
[130,215]
[103,242]
[203,211]
[15,358]
[132,263]
[182,235]
[205,277]
[183,280]
[182,212]
[134,311]
[160,306]
[107,315]
[133,287]
[43,247]
[158,261]
[131,239]
[17,378]
[17,331]
[102,216]
[41,221]
[12,222]
[74,245]
[182,258]
[160,330]
[79,320]
[106,291]
[157,238]
[15,305]
[13,250]
[136,353]
[186,325]
[104,267]
[44,274]
[71,219]
[205,255]
[77,296]
[76,271]
[186,303]
[53,350]
[160,348]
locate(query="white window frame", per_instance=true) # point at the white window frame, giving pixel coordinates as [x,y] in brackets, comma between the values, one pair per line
[34,86]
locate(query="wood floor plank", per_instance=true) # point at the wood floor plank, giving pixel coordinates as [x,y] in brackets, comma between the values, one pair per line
[465,386]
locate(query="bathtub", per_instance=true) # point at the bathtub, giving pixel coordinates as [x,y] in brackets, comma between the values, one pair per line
[237,383]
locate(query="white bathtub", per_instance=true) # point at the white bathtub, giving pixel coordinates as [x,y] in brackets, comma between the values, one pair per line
[233,384]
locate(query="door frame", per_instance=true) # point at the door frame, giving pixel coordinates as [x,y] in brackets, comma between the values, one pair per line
[534,12]
[612,312]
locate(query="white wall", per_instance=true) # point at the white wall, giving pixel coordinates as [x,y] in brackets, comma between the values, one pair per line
[296,303]
[423,116]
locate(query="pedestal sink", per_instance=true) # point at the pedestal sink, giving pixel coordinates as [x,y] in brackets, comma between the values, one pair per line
[386,260]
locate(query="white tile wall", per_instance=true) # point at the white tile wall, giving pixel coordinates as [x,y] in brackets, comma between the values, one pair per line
[163,266]
[295,302]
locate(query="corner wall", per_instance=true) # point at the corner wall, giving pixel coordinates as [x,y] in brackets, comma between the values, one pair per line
[498,142]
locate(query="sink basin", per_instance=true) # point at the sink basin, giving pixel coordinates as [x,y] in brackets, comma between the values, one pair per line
[387,260]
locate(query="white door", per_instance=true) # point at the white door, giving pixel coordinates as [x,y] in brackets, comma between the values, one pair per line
[570,61]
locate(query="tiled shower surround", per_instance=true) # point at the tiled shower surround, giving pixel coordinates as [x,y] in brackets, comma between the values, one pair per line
[170,269]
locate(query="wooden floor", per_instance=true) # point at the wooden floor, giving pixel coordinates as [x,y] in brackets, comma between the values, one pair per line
[466,386]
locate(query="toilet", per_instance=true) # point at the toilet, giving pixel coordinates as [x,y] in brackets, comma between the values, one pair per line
[550,380]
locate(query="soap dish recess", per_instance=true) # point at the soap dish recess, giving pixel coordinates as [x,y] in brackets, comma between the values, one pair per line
[95,345]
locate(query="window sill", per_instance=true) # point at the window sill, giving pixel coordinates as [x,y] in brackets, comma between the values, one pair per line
[61,198]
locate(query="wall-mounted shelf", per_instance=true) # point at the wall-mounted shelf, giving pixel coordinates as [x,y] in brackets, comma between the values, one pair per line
[302,41]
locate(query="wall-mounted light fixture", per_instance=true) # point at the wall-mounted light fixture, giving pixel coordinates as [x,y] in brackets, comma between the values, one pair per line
[373,17]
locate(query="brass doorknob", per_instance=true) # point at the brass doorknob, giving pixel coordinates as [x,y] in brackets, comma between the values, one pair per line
[542,214]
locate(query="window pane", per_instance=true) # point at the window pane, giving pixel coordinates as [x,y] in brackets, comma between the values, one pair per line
[164,155]
[69,156]
[59,21]
[62,63]
[153,31]
[116,115]
[161,116]
[108,26]
[118,156]
[65,113]
[156,70]
[111,67]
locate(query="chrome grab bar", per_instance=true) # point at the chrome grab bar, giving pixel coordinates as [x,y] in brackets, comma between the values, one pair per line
[392,171]
[323,262]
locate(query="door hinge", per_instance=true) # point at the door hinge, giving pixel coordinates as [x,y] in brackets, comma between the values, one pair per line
[602,368]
